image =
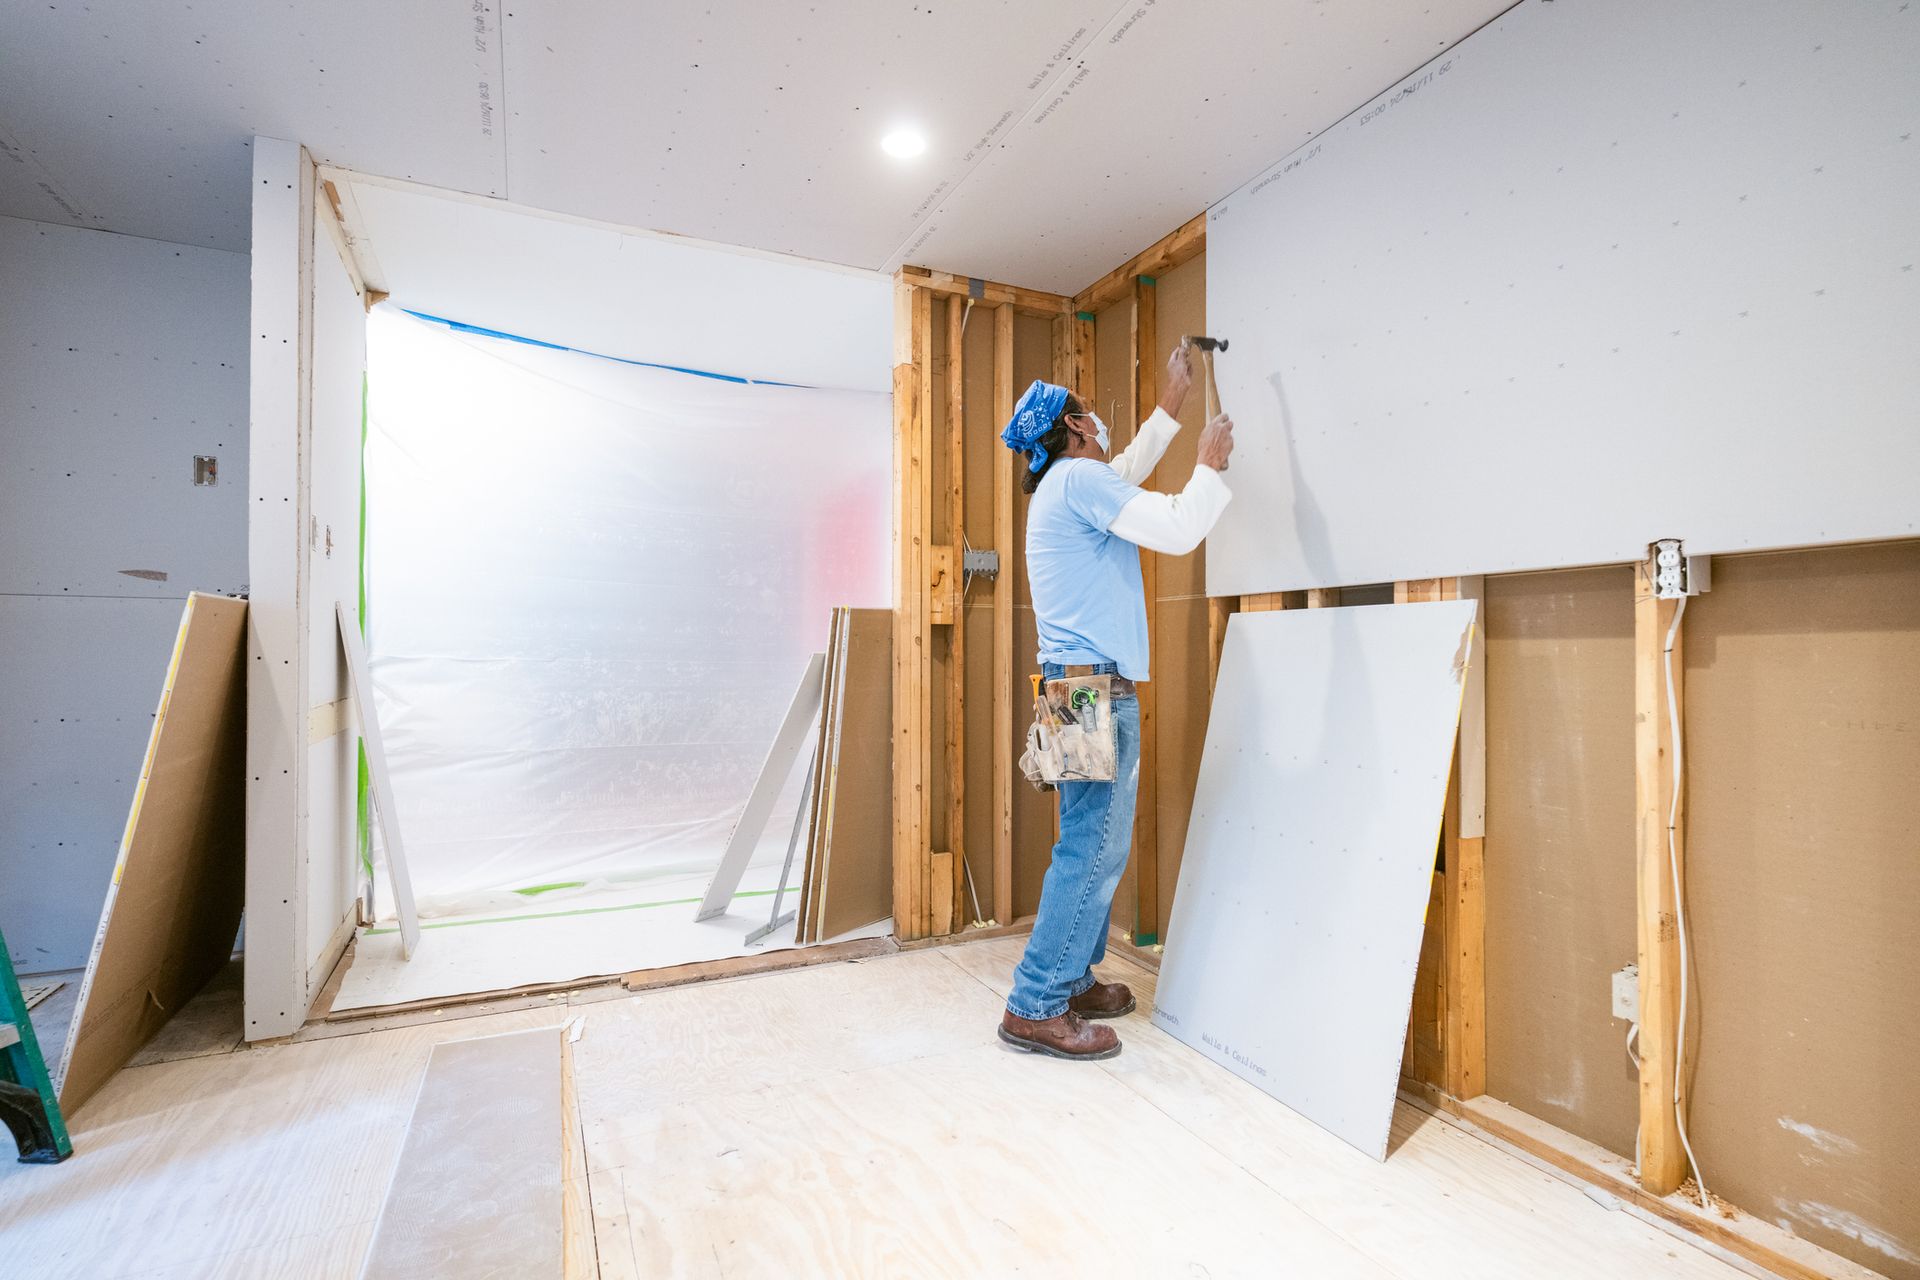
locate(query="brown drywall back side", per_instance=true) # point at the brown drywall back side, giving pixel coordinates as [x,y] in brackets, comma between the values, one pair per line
[1113,396]
[1802,744]
[982,448]
[1560,857]
[1032,810]
[169,925]
[1182,651]
[857,888]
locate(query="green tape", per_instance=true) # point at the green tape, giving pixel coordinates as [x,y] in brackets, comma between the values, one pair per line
[1084,315]
[1146,280]
[535,890]
[581,911]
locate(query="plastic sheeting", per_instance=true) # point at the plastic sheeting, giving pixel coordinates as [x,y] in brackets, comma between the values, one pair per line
[591,589]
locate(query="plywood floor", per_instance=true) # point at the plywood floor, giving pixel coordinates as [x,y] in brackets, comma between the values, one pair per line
[854,1119]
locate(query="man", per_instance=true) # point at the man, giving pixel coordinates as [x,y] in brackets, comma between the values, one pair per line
[1085,526]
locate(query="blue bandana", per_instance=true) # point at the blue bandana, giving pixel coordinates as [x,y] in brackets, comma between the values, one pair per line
[1033,417]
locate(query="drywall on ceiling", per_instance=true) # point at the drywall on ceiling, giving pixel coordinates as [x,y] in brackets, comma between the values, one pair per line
[1567,333]
[745,124]
[656,298]
[1169,108]
[125,357]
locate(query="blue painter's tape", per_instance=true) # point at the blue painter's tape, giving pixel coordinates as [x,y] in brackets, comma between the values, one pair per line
[461,327]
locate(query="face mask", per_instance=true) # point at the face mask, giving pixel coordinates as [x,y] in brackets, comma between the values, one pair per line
[1100,436]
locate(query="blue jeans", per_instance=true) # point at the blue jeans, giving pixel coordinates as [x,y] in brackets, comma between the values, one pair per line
[1096,834]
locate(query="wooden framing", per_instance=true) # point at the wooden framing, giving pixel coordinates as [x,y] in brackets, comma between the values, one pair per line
[957,632]
[1003,605]
[1035,302]
[912,759]
[1182,244]
[1146,826]
[1663,1160]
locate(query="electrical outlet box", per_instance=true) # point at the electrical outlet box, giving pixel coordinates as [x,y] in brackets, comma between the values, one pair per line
[1626,994]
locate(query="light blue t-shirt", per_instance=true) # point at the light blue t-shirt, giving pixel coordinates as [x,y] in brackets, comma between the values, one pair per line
[1086,587]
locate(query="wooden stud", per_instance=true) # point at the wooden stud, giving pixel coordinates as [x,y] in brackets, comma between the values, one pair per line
[1182,244]
[1323,597]
[1003,692]
[1146,822]
[986,293]
[1663,1161]
[1080,370]
[943,586]
[1219,610]
[957,637]
[912,409]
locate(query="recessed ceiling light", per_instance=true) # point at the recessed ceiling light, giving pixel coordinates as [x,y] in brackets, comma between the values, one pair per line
[904,144]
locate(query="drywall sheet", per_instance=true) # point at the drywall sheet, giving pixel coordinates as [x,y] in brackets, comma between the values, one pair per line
[1310,851]
[1640,269]
[856,884]
[173,909]
[123,359]
[1803,884]
[591,587]
[477,1190]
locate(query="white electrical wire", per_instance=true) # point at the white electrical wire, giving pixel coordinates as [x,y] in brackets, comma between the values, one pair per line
[1679,905]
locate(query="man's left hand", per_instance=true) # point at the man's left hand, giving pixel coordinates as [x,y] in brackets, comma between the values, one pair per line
[1179,377]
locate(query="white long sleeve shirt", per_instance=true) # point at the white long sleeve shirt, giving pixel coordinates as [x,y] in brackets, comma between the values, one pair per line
[1170,523]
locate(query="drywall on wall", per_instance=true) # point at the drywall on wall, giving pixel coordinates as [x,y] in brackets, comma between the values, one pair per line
[1512,275]
[629,294]
[125,358]
[308,351]
[337,370]
[1560,855]
[1803,882]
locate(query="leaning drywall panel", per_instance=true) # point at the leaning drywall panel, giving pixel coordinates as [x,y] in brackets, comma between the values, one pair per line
[1310,854]
[170,917]
[1640,269]
[1803,882]
[636,296]
[277,990]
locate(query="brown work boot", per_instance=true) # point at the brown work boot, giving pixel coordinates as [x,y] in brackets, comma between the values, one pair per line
[1103,1000]
[1067,1036]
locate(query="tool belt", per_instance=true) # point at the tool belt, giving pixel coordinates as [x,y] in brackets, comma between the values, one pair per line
[1072,735]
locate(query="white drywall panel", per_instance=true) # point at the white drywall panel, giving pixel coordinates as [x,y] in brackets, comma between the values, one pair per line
[1606,273]
[338,372]
[138,117]
[753,124]
[82,678]
[764,128]
[124,358]
[277,990]
[1168,108]
[1296,926]
[639,297]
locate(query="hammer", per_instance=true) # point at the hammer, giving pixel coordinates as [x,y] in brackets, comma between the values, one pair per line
[1207,346]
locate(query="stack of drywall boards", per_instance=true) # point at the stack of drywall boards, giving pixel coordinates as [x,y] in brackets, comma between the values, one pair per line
[848,880]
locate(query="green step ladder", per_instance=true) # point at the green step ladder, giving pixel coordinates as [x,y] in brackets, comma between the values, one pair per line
[28,1103]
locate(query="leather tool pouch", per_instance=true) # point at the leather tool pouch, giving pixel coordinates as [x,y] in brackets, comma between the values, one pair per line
[1071,738]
